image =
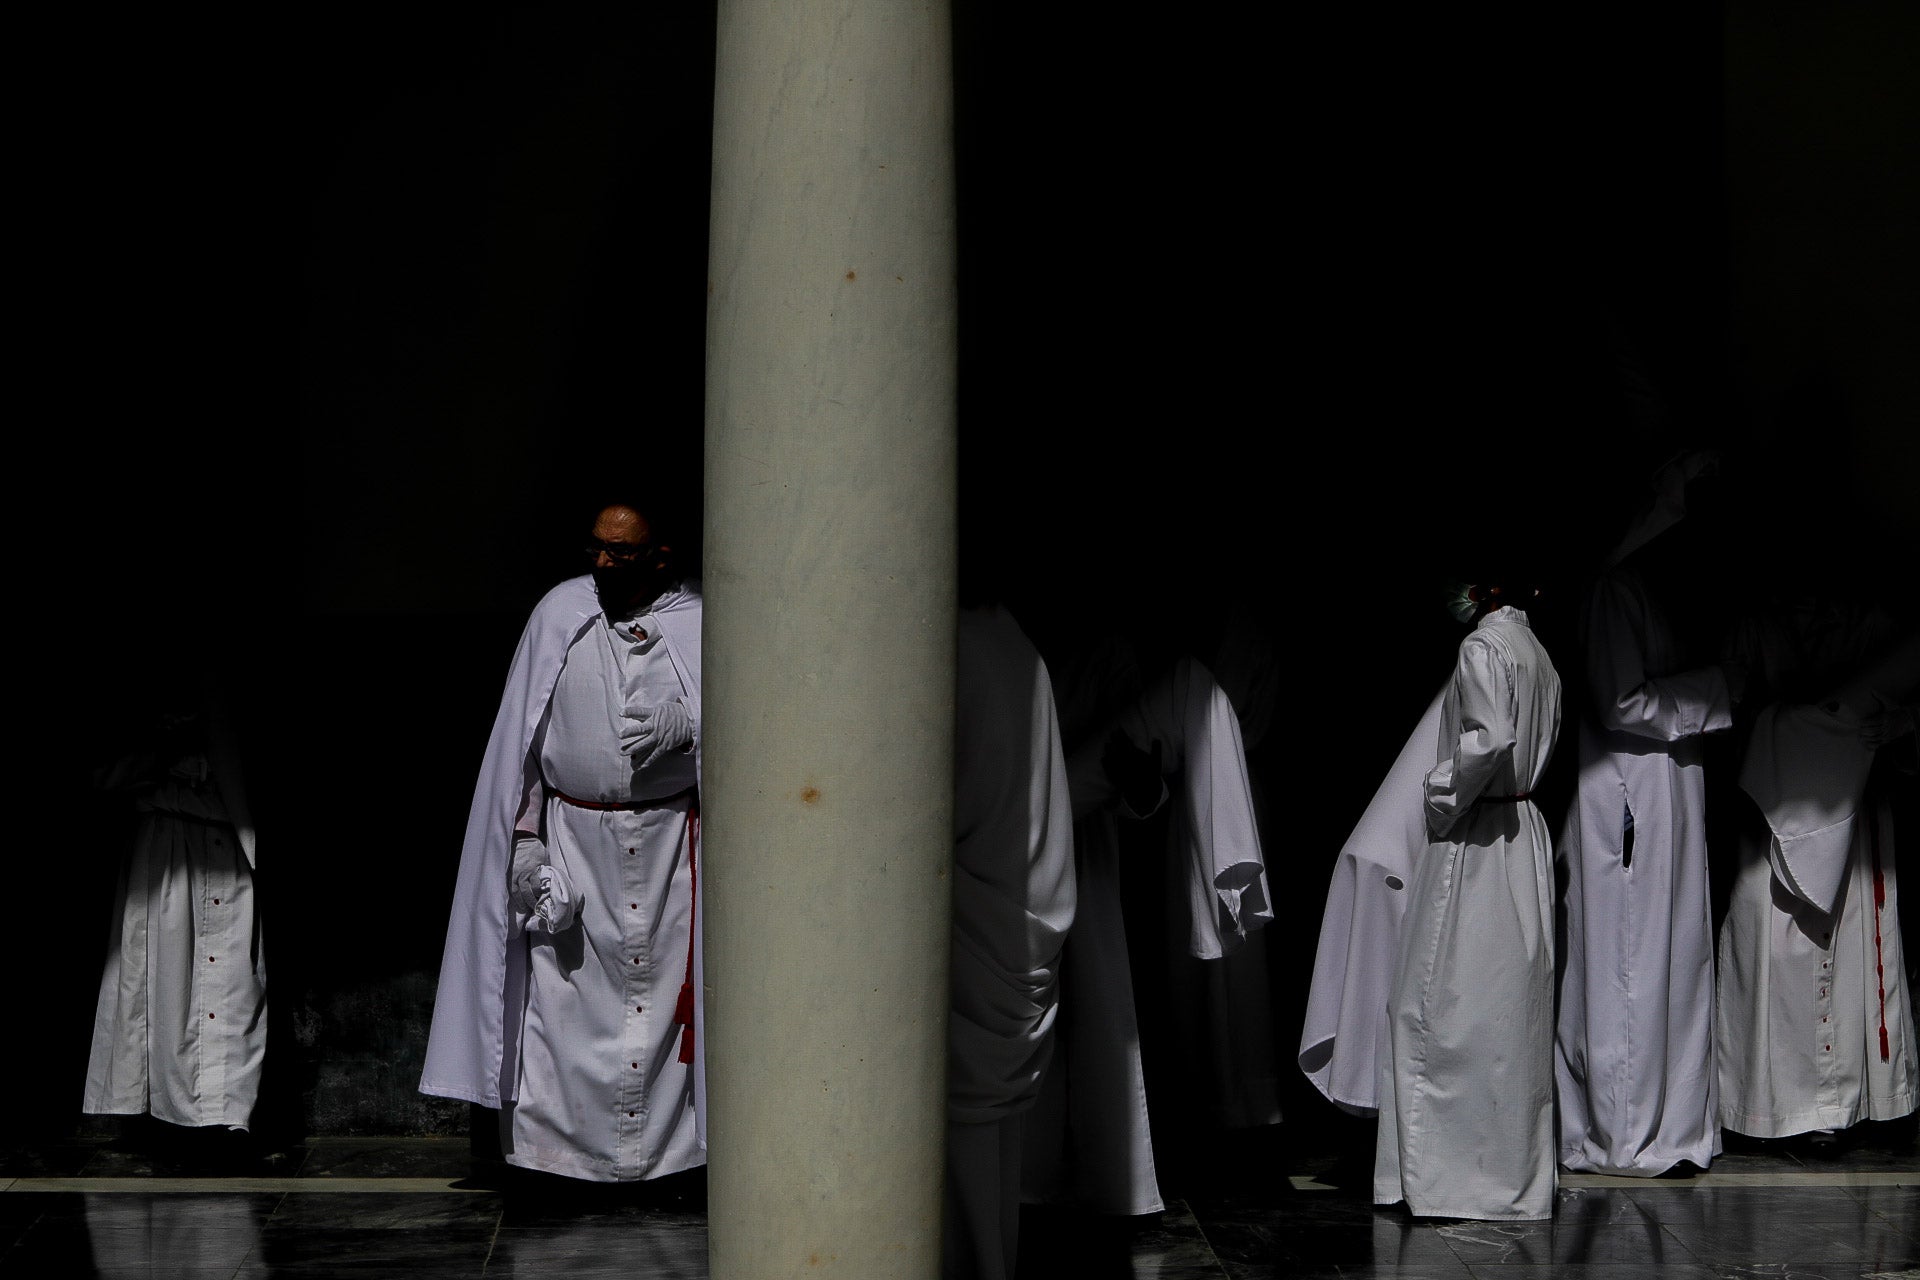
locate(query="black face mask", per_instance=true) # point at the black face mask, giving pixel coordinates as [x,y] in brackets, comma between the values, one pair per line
[621,586]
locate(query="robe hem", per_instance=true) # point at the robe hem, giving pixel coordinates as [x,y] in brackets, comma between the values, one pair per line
[572,1166]
[1476,1215]
[1648,1170]
[459,1094]
[1104,1206]
[1844,1117]
[219,1118]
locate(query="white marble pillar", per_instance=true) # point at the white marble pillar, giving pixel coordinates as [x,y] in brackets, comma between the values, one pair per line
[830,597]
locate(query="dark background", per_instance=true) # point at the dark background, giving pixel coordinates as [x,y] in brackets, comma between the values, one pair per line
[348,321]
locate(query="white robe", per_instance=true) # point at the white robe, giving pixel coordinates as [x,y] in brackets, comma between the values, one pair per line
[603,1092]
[1814,1022]
[1087,1140]
[1633,1052]
[1090,1138]
[1216,865]
[1466,1080]
[1013,903]
[180,1026]
[482,1009]
[1218,895]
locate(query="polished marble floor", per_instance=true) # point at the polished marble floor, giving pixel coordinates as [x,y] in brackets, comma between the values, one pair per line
[428,1209]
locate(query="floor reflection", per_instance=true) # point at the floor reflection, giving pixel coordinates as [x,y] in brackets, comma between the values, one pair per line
[391,1208]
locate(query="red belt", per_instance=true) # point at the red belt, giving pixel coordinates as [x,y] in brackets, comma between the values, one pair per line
[622,806]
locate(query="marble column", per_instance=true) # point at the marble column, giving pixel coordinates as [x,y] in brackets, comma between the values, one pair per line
[830,599]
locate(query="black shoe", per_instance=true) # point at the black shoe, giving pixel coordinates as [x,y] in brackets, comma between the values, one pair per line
[1824,1144]
[1684,1169]
[1747,1144]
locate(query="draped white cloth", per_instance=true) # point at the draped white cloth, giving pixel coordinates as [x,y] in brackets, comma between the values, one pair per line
[1216,856]
[1014,887]
[482,1009]
[1219,896]
[1014,892]
[1814,1020]
[1466,1076]
[1087,1139]
[1634,1044]
[180,1025]
[1344,1029]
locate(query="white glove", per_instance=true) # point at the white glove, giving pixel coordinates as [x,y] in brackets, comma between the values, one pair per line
[540,893]
[651,732]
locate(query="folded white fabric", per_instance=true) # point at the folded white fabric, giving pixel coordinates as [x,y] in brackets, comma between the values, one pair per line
[1193,720]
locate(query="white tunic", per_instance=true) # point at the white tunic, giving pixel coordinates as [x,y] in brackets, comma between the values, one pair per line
[180,1027]
[1466,1080]
[1216,868]
[1088,1140]
[603,1093]
[1014,895]
[1814,1019]
[1633,1053]
[1013,880]
[1090,1137]
[1218,896]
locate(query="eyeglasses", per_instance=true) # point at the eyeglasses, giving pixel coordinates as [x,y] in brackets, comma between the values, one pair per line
[621,551]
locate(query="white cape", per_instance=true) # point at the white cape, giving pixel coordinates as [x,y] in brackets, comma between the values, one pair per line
[1346,1018]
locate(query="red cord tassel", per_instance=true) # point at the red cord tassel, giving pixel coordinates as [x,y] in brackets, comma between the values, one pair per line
[683,1014]
[1879,901]
[683,1007]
